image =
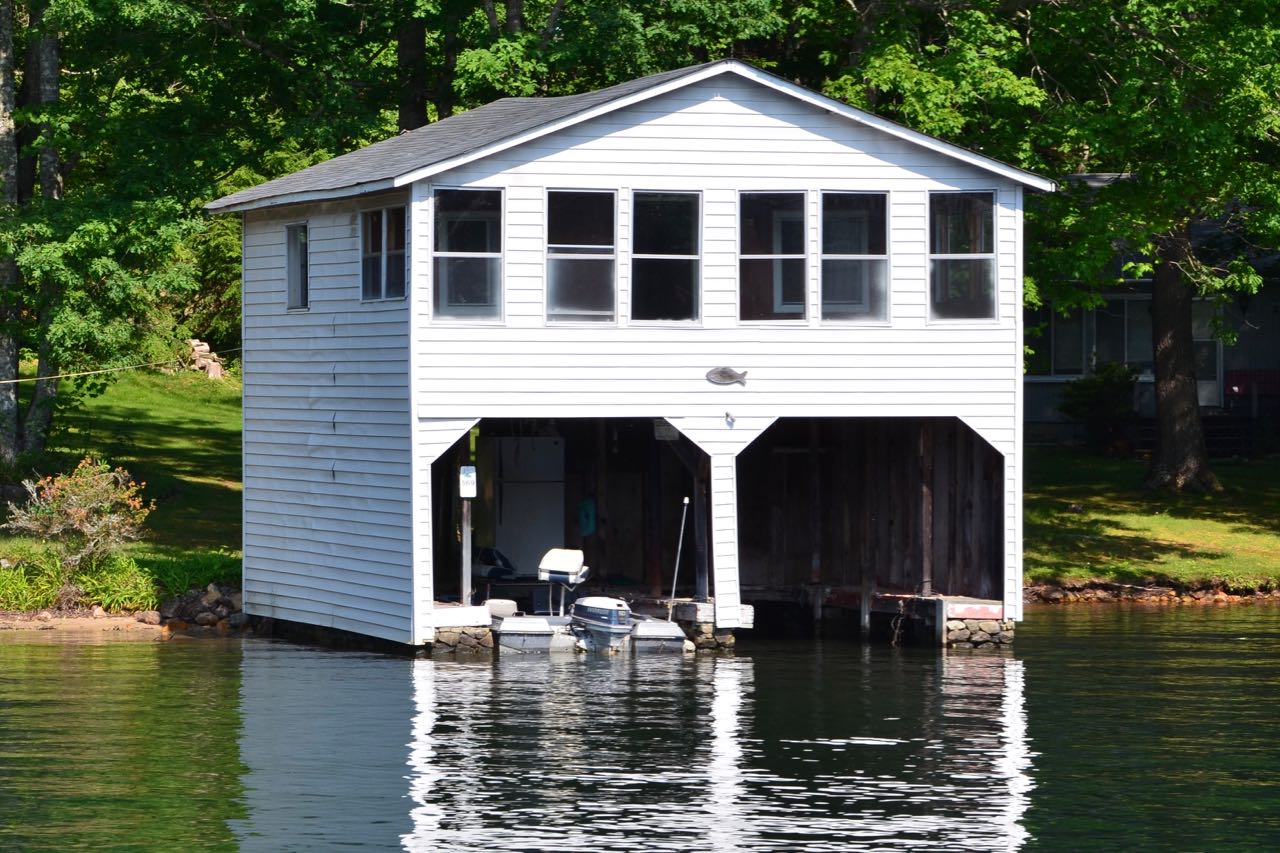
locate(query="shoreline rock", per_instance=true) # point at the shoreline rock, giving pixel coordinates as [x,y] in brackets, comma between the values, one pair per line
[1103,592]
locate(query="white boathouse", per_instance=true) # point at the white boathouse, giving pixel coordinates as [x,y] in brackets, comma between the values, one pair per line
[707,282]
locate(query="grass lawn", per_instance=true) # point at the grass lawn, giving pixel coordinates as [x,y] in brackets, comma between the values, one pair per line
[1088,517]
[180,434]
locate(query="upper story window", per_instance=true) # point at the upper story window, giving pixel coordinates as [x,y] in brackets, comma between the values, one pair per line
[771,266]
[962,256]
[854,257]
[382,254]
[665,257]
[296,261]
[580,256]
[467,262]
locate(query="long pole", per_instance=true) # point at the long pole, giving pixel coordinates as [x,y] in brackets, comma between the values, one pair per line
[675,573]
[464,596]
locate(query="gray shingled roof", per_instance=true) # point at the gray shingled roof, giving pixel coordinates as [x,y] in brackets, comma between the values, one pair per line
[444,140]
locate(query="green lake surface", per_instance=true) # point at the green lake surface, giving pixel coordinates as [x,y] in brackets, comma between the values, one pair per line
[1106,728]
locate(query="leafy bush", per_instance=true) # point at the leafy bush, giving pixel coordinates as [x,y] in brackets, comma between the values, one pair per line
[119,583]
[86,516]
[173,576]
[1103,403]
[32,583]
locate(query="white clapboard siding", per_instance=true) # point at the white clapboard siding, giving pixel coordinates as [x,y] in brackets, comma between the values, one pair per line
[327,493]
[432,437]
[720,137]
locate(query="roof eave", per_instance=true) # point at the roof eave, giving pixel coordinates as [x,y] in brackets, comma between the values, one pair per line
[225,205]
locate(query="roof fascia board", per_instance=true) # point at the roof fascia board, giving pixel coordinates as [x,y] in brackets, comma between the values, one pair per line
[567,121]
[773,82]
[305,197]
[822,102]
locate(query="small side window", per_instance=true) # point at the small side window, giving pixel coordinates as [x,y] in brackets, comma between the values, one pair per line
[295,240]
[382,254]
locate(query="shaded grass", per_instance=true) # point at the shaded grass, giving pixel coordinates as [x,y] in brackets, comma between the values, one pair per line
[180,434]
[1089,517]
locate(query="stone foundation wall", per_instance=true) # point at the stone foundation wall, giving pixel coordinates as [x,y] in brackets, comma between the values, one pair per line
[978,633]
[706,638]
[466,641]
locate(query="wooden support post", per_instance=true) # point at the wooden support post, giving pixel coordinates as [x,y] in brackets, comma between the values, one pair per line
[702,569]
[926,508]
[653,520]
[815,509]
[864,604]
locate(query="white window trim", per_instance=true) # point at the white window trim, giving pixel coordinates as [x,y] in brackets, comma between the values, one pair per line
[803,318]
[568,256]
[633,256]
[888,269]
[305,277]
[467,316]
[993,256]
[382,280]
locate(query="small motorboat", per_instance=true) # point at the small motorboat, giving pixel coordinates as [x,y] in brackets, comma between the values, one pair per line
[604,624]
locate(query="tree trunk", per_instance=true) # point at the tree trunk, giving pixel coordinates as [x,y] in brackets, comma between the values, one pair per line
[34,429]
[1181,462]
[411,63]
[8,267]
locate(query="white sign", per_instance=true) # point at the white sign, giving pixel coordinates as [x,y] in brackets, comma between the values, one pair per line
[467,481]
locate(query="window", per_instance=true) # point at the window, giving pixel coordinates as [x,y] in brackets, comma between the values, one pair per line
[665,269]
[295,241]
[771,266]
[467,264]
[383,236]
[962,260]
[1117,331]
[1059,347]
[580,256]
[854,257]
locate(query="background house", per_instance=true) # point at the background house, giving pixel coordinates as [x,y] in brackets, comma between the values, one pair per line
[566,291]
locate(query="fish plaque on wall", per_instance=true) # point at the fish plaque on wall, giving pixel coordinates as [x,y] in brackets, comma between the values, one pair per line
[726,376]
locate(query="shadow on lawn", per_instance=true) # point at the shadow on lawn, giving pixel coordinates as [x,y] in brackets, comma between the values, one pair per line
[191,465]
[1250,502]
[1093,545]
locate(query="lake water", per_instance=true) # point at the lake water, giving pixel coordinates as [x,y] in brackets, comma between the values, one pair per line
[1111,728]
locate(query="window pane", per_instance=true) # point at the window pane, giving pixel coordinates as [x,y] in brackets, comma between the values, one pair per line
[772,289]
[665,224]
[579,219]
[467,287]
[1139,351]
[962,290]
[395,229]
[371,283]
[1202,314]
[664,289]
[373,232]
[854,290]
[1206,356]
[1068,344]
[961,224]
[395,275]
[296,249]
[772,223]
[1036,328]
[853,224]
[468,221]
[1109,333]
[580,289]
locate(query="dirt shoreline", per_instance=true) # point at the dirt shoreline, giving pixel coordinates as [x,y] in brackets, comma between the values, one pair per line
[1099,591]
[125,627]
